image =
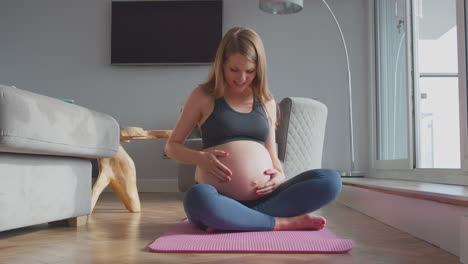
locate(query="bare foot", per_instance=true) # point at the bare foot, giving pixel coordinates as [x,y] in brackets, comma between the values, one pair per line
[210,230]
[303,222]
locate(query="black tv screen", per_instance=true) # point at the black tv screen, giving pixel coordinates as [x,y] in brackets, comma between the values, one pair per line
[165,32]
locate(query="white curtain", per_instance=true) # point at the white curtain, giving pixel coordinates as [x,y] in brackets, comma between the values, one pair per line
[392,80]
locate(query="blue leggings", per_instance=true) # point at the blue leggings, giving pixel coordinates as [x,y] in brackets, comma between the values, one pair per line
[305,193]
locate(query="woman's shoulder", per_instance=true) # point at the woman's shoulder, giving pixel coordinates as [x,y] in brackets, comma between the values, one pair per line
[199,94]
[199,100]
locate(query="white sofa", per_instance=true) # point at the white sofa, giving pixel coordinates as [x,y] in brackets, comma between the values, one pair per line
[45,150]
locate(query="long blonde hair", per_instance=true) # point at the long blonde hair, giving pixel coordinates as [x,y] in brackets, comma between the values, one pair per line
[248,43]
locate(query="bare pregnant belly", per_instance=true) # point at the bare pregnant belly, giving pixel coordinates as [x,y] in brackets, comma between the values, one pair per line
[247,160]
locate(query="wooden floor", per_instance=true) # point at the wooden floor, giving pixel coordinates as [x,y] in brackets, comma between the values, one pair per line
[113,235]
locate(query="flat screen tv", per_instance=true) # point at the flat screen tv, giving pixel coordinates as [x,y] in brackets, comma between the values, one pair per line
[165,32]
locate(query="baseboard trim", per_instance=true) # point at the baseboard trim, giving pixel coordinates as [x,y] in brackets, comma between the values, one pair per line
[420,218]
[464,240]
[155,185]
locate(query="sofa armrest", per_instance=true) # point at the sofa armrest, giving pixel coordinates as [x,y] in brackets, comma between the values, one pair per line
[36,124]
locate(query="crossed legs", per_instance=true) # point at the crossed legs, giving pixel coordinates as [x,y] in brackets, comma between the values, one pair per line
[290,206]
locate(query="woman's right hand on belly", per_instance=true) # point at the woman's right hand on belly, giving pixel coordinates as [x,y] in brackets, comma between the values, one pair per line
[211,165]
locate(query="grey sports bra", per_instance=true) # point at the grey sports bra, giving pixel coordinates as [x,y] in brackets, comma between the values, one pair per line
[226,124]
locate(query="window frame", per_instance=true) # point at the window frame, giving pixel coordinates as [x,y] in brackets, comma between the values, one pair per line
[405,169]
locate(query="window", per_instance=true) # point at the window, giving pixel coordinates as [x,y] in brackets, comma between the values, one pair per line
[420,96]
[394,86]
[437,122]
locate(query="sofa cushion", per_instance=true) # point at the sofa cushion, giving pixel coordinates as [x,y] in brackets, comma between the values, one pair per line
[37,124]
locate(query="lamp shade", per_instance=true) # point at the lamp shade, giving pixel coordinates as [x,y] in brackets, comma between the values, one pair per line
[281,7]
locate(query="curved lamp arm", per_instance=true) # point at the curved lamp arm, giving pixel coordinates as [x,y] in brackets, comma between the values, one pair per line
[353,171]
[294,6]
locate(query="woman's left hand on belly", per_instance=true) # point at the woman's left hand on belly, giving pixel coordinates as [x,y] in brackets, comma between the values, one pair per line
[276,179]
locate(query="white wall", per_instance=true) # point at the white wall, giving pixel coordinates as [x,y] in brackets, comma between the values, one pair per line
[62,49]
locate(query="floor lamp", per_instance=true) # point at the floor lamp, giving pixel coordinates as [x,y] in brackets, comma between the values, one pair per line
[284,7]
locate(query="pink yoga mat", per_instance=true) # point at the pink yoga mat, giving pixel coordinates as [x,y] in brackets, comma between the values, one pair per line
[183,237]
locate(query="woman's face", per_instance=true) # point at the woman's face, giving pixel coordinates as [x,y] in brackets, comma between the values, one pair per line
[239,73]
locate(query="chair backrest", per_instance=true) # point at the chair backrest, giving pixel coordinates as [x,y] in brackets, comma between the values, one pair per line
[301,134]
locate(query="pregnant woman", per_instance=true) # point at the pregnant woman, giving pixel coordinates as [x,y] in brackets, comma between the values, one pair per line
[240,181]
